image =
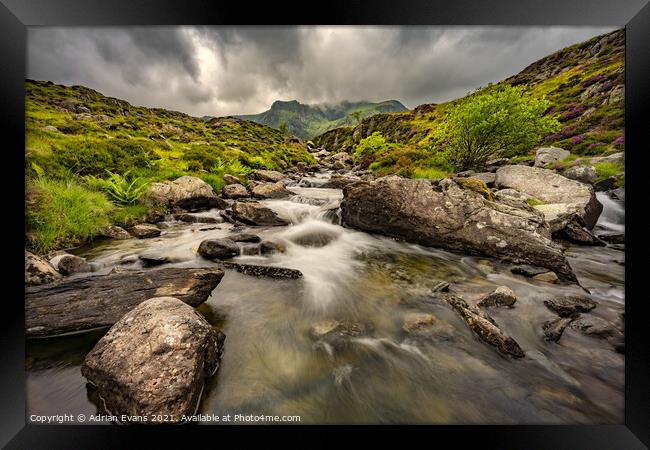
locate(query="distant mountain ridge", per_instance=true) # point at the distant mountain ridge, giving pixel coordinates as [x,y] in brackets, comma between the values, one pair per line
[305,121]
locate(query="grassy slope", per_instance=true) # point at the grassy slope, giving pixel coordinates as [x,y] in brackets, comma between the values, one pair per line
[576,80]
[154,144]
[306,121]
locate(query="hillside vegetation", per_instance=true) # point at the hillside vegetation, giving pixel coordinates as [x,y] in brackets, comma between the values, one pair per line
[306,121]
[80,139]
[583,85]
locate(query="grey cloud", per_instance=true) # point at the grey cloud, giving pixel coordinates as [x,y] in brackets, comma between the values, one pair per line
[237,70]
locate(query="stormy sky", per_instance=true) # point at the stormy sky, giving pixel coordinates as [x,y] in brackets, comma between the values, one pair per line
[241,70]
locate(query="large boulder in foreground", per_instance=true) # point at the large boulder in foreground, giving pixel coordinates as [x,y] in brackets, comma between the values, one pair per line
[447,216]
[84,303]
[38,270]
[562,197]
[155,360]
[187,192]
[267,175]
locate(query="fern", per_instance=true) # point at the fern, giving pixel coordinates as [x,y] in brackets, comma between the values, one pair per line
[121,188]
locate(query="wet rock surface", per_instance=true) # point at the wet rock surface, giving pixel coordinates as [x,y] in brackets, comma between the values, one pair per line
[154,361]
[83,303]
[567,305]
[450,217]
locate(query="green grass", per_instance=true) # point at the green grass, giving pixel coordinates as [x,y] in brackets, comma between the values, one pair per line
[430,173]
[607,169]
[62,214]
[127,216]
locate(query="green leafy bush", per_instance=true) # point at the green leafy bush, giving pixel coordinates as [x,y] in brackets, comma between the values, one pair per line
[498,121]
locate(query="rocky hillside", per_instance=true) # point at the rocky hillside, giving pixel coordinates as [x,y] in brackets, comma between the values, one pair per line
[79,130]
[305,121]
[89,158]
[583,82]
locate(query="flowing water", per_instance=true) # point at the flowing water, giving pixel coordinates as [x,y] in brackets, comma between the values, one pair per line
[271,365]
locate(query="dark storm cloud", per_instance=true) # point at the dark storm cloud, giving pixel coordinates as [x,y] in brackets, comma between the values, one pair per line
[235,70]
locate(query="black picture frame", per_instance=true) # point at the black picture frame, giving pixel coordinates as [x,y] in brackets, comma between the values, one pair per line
[16,15]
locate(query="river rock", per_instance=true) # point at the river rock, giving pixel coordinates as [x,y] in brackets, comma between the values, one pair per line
[94,301]
[583,174]
[244,237]
[594,326]
[485,327]
[254,213]
[553,329]
[230,179]
[617,194]
[608,183]
[197,218]
[155,216]
[447,216]
[155,360]
[528,270]
[38,270]
[115,232]
[613,238]
[270,247]
[145,231]
[218,249]
[576,234]
[264,271]
[547,277]
[187,192]
[339,181]
[338,333]
[567,305]
[151,260]
[271,190]
[69,264]
[267,175]
[501,296]
[547,155]
[234,191]
[427,326]
[564,196]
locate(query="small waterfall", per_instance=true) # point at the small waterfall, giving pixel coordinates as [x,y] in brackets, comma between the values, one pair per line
[612,219]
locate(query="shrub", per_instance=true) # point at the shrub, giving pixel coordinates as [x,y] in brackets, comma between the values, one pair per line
[63,214]
[368,147]
[499,121]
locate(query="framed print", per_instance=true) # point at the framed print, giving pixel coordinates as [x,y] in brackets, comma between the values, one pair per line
[384,215]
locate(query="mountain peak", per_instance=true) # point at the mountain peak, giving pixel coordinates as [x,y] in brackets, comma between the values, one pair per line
[305,120]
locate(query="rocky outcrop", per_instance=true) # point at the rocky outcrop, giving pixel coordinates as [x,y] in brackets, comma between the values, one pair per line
[271,190]
[83,303]
[69,264]
[234,191]
[38,270]
[218,249]
[447,216]
[485,327]
[501,296]
[267,175]
[187,192]
[563,198]
[145,231]
[254,213]
[154,361]
[546,155]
